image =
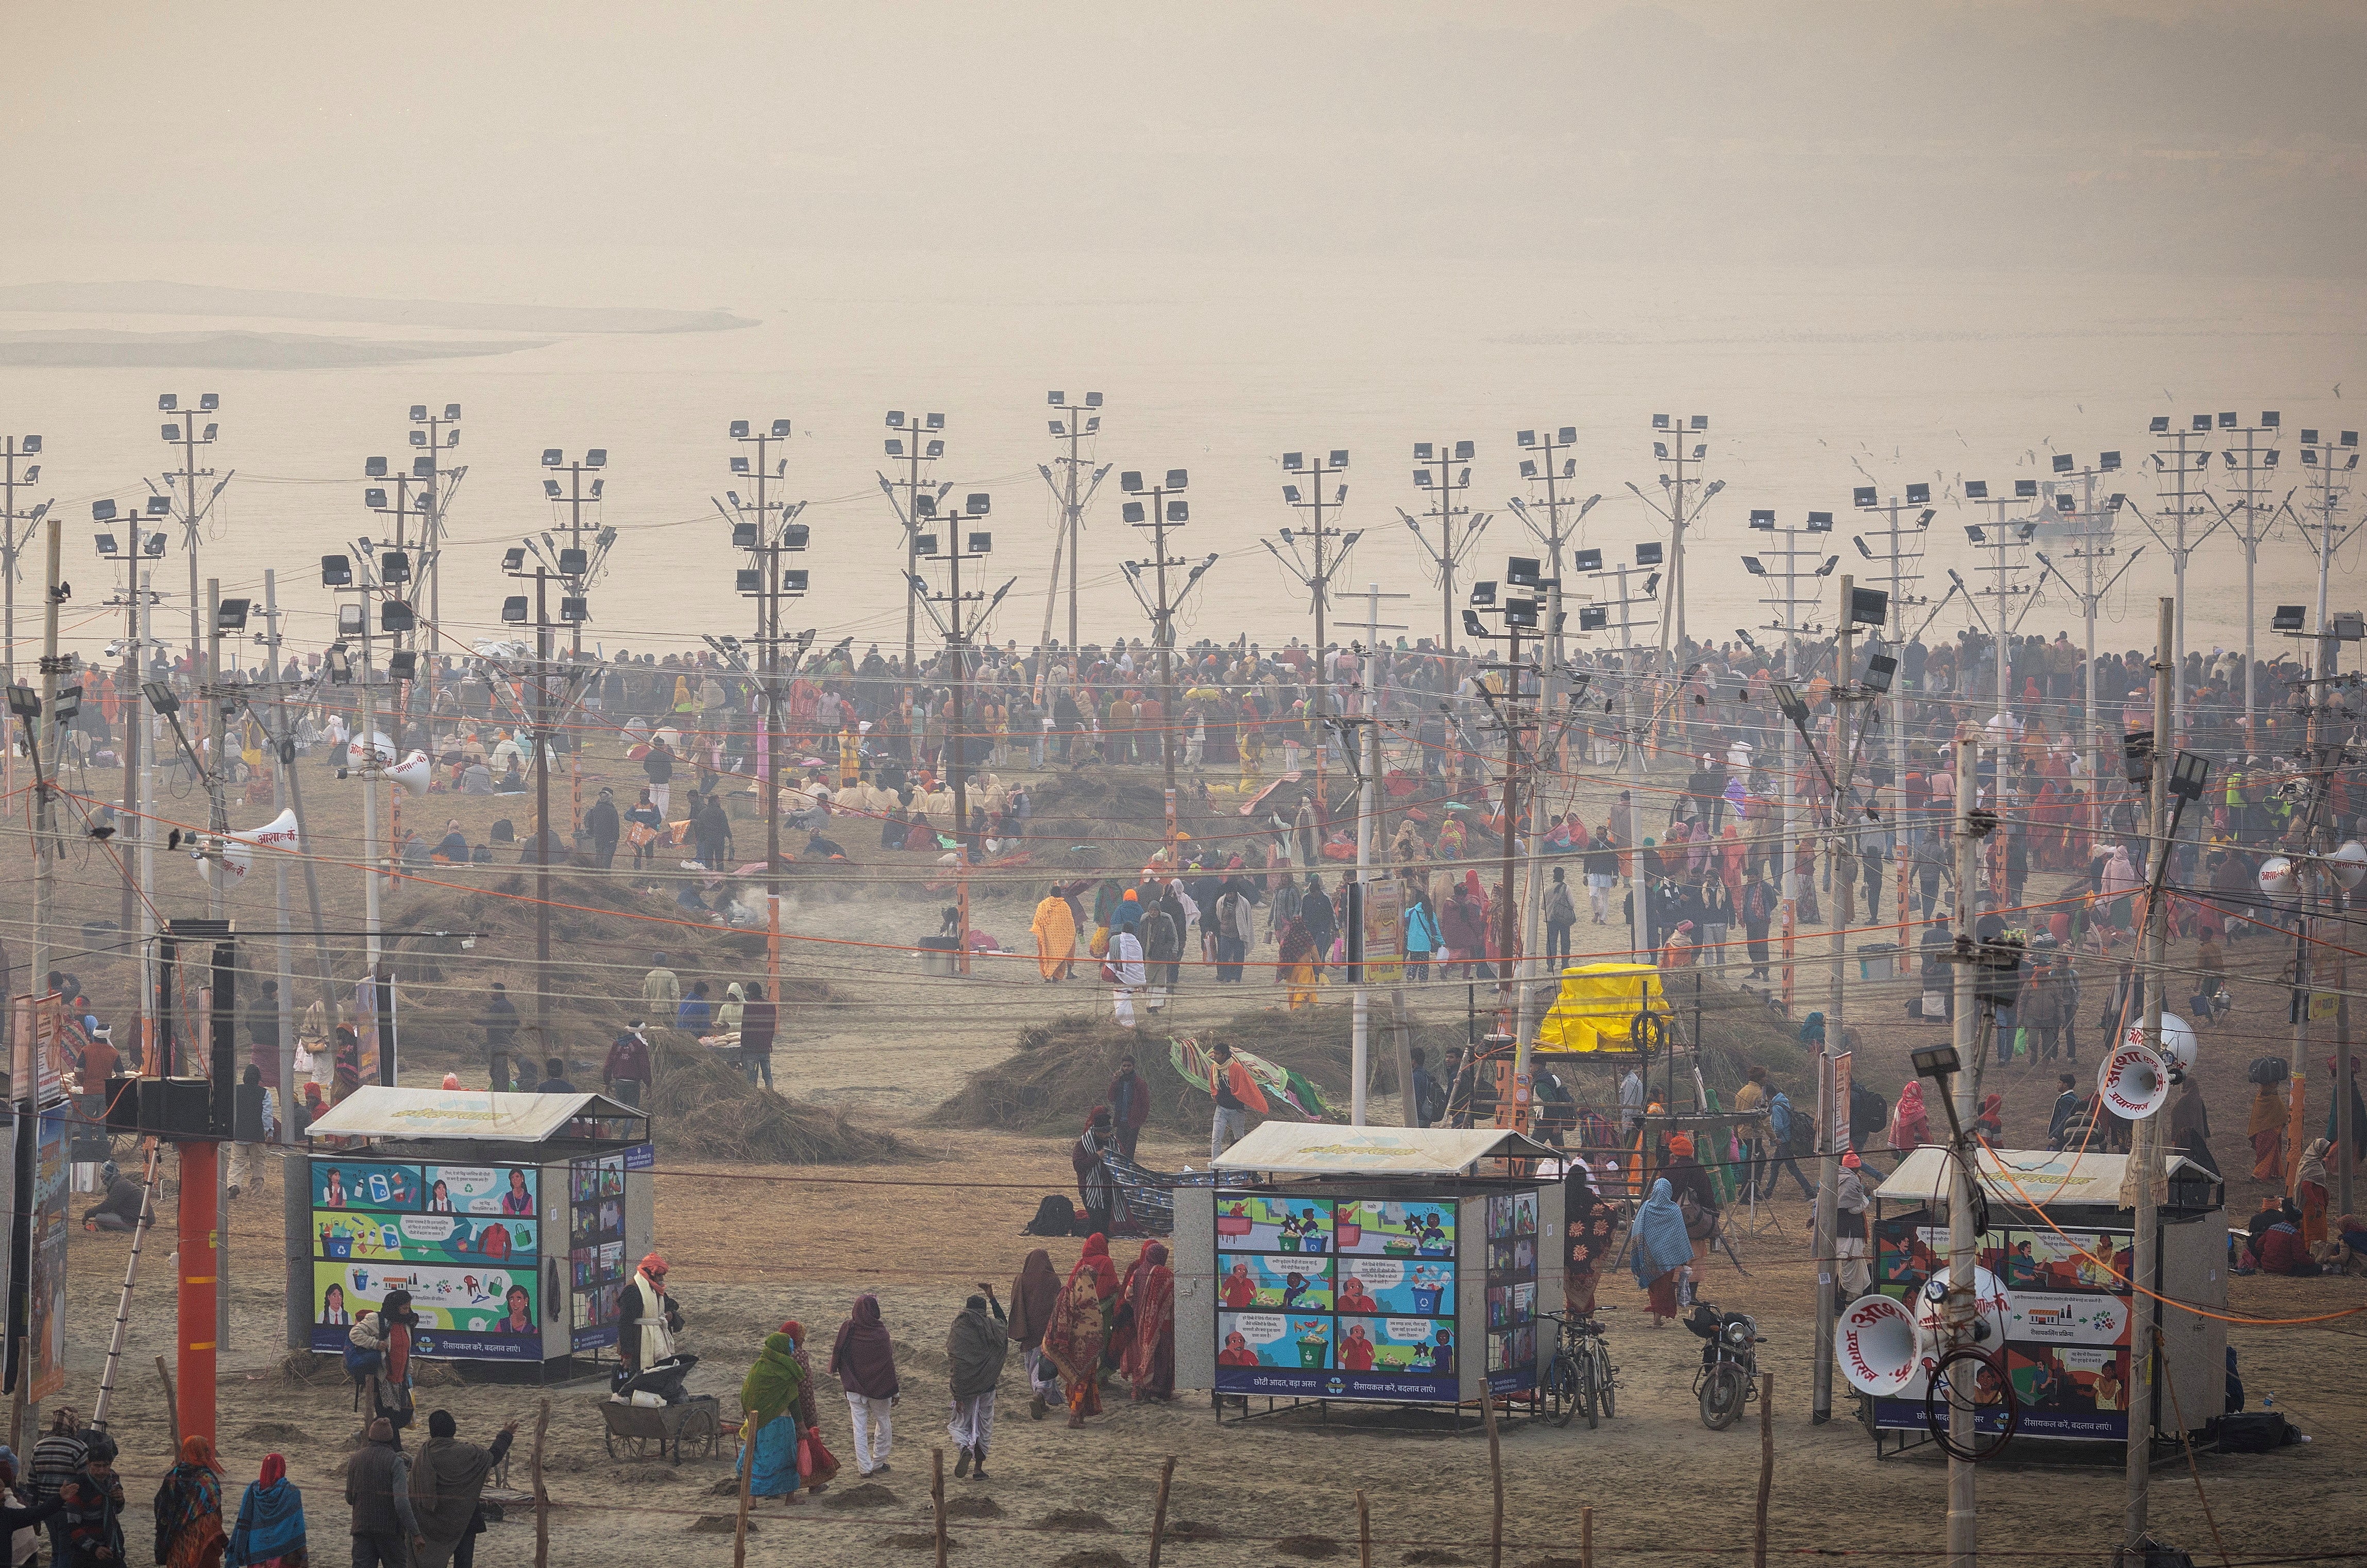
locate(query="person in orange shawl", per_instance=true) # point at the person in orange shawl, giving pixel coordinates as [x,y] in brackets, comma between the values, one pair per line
[1149,1360]
[1236,1094]
[1079,1328]
[2265,1127]
[1055,929]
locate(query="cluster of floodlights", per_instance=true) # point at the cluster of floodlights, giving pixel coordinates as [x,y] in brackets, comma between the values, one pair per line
[555,457]
[1763,520]
[1297,463]
[1169,511]
[1081,422]
[975,544]
[1452,472]
[150,546]
[923,429]
[1566,436]
[186,433]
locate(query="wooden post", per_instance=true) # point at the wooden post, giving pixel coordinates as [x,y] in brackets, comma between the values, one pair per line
[1159,1510]
[1766,1466]
[747,1468]
[937,1499]
[172,1406]
[541,1498]
[1364,1532]
[1496,1477]
[1586,1537]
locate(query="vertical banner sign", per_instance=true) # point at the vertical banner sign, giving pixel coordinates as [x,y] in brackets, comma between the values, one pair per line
[1838,1111]
[1384,933]
[48,1296]
[38,1046]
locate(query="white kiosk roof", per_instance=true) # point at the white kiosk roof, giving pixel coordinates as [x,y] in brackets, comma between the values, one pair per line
[375,1110]
[1304,1148]
[2023,1177]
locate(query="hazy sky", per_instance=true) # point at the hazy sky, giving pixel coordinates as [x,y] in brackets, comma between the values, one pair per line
[159,141]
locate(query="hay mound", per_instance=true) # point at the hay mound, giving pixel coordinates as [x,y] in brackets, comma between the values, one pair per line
[1316,1546]
[973,1509]
[871,1495]
[729,1486]
[718,1523]
[1062,1069]
[1075,1519]
[274,1434]
[703,1109]
[1191,1529]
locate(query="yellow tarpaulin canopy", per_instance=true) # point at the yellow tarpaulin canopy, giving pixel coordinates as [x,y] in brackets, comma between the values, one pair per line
[1598,1005]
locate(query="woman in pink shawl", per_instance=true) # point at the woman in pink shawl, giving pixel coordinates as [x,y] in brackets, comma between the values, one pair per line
[1910,1124]
[1730,853]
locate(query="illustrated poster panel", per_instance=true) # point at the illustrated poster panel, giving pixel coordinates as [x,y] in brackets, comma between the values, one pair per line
[362,1184]
[1379,1228]
[465,1313]
[46,1300]
[424,1238]
[481,1189]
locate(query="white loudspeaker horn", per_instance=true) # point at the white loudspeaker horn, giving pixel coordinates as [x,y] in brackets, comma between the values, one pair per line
[2349,865]
[1876,1345]
[238,849]
[2133,1080]
[2177,1041]
[1991,1303]
[412,772]
[357,750]
[2276,877]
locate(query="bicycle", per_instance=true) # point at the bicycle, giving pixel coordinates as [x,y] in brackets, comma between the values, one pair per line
[1580,1376]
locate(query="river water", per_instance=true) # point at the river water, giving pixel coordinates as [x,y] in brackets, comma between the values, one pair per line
[1813,380]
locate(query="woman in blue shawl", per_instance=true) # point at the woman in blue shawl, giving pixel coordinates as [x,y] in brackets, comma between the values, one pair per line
[270,1530]
[1660,1250]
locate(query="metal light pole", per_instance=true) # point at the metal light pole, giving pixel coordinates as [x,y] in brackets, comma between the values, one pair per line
[575,567]
[437,434]
[2250,468]
[1445,474]
[1368,787]
[1788,606]
[135,912]
[1310,562]
[2003,624]
[1902,554]
[397,573]
[1073,426]
[14,449]
[766,536]
[184,433]
[2091,530]
[2145,1165]
[925,438]
[1160,515]
[958,626]
[1679,445]
[2178,473]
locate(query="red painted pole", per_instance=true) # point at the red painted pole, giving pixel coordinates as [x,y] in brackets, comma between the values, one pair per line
[200,1283]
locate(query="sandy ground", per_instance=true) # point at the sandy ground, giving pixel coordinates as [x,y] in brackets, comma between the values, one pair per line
[753,1247]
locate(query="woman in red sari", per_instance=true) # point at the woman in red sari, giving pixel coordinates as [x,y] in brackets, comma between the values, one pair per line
[1080,1328]
[1150,1362]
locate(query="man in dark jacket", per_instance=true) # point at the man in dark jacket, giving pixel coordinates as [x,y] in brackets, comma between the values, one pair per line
[976,1346]
[1129,1104]
[628,1067]
[499,1020]
[377,1490]
[759,1022]
[603,828]
[447,1480]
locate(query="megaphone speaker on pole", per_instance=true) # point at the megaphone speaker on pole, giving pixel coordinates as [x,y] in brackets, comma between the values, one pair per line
[2133,1081]
[1876,1345]
[412,772]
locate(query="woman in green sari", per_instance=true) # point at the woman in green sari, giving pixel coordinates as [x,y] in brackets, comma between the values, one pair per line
[769,1397]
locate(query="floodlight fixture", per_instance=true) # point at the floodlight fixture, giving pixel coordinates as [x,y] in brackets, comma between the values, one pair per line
[2159,424]
[1752,564]
[1869,606]
[339,666]
[514,609]
[1521,571]
[2188,775]
[1879,671]
[1592,617]
[102,512]
[1859,541]
[394,566]
[740,429]
[794,579]
[395,615]
[2288,618]
[2348,625]
[1976,490]
[925,543]
[573,562]
[1339,459]
[977,503]
[1652,585]
[2062,461]
[1587,561]
[1292,461]
[1820,522]
[2025,490]
[552,490]
[1659,422]
[1483,594]
[1472,625]
[1763,519]
[552,457]
[937,422]
[981,543]
[167,403]
[2226,422]
[1648,553]
[107,545]
[1936,1061]
[574,610]
[1179,511]
[935,449]
[402,664]
[160,694]
[1130,481]
[597,459]
[2107,462]
[1918,495]
[743,536]
[374,499]
[1863,495]
[350,620]
[336,571]
[230,614]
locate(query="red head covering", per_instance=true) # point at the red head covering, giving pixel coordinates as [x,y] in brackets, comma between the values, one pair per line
[275,1468]
[653,1263]
[197,1451]
[795,1330]
[1095,1260]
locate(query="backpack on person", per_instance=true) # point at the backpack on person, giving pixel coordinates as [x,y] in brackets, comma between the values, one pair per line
[1561,909]
[1054,1216]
